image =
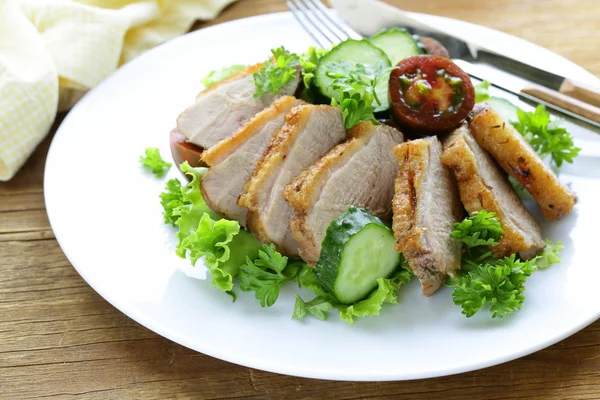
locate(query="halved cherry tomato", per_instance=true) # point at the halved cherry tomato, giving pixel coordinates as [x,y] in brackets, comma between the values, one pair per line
[430,94]
[182,150]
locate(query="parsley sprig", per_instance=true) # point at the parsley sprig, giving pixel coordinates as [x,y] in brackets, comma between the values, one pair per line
[276,72]
[547,136]
[267,274]
[486,280]
[356,85]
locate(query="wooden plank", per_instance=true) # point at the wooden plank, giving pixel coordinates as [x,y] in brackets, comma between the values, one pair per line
[24,221]
[21,202]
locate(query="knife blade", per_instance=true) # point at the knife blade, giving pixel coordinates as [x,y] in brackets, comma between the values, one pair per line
[368,17]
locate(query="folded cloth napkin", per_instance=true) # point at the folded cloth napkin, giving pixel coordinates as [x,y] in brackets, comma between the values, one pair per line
[53,51]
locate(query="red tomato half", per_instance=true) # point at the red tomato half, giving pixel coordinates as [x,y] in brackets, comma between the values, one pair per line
[182,150]
[430,94]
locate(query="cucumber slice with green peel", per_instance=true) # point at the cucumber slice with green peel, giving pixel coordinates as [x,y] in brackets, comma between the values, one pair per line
[357,250]
[353,52]
[397,44]
[506,109]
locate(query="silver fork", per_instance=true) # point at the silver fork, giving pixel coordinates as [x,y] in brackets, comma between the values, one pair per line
[323,28]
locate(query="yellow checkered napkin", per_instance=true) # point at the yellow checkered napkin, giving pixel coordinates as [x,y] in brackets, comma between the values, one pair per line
[53,51]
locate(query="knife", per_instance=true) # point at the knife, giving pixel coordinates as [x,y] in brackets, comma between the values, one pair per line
[368,17]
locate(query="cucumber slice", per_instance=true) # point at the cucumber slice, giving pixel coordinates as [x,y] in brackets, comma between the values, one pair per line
[357,250]
[357,52]
[506,109]
[397,44]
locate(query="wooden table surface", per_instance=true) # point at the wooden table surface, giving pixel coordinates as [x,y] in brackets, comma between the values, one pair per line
[60,339]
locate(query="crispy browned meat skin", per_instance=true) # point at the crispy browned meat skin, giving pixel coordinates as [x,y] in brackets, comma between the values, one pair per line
[220,110]
[309,132]
[359,172]
[426,204]
[484,186]
[232,160]
[518,158]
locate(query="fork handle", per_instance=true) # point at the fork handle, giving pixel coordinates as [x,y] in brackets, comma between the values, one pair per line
[581,91]
[562,100]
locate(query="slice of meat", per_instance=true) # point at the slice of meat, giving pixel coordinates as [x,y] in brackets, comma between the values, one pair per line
[221,109]
[521,161]
[426,204]
[359,172]
[484,186]
[309,133]
[232,160]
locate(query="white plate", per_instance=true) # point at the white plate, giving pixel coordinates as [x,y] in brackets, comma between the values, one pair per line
[106,215]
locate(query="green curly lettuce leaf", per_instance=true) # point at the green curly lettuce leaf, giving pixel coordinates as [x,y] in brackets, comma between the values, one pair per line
[385,293]
[224,247]
[194,207]
[170,200]
[549,256]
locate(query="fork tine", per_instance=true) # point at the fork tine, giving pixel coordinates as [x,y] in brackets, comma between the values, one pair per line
[325,22]
[342,27]
[296,12]
[316,26]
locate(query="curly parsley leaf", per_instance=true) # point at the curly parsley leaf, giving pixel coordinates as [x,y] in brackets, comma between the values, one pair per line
[356,107]
[266,274]
[171,199]
[276,72]
[219,75]
[501,285]
[486,280]
[546,136]
[482,91]
[317,307]
[482,228]
[356,85]
[154,162]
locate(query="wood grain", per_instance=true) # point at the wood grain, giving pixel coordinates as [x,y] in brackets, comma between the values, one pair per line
[61,340]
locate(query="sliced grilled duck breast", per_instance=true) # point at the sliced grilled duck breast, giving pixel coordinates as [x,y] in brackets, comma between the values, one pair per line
[484,186]
[426,204]
[223,108]
[233,159]
[521,161]
[359,172]
[309,132]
